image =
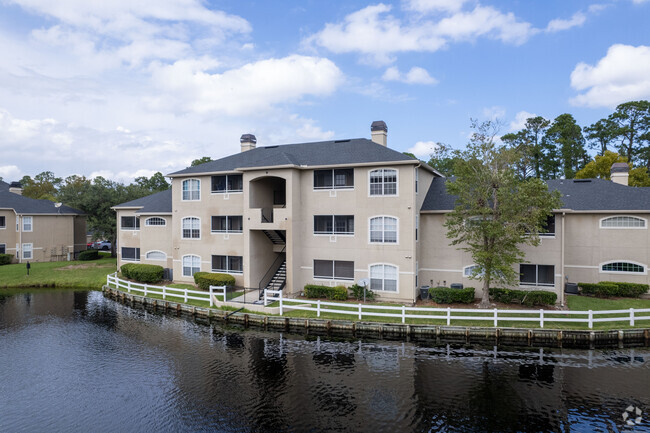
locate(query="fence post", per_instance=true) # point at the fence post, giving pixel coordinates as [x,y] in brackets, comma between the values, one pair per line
[128,286]
[145,289]
[403,313]
[360,315]
[265,301]
[631,316]
[164,291]
[448,316]
[211,293]
[496,321]
[318,308]
[541,318]
[281,313]
[591,319]
[186,296]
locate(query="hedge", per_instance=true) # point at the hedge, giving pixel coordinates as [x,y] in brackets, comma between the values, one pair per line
[446,295]
[142,273]
[206,279]
[358,293]
[6,259]
[89,255]
[338,293]
[607,289]
[527,298]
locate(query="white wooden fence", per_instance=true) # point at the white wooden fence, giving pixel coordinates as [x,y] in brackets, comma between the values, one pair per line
[449,314]
[166,292]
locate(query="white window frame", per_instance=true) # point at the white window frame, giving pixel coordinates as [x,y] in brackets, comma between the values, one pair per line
[645,267]
[383,182]
[537,283]
[147,222]
[189,190]
[137,256]
[333,277]
[236,232]
[333,232]
[136,223]
[333,187]
[383,230]
[645,223]
[27,248]
[467,270]
[191,228]
[384,276]
[227,271]
[146,255]
[31,223]
[417,179]
[192,264]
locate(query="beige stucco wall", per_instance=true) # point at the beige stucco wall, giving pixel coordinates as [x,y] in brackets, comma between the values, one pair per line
[8,232]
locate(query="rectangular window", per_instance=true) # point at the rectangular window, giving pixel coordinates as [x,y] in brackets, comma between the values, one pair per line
[130,223]
[536,275]
[342,178]
[3,222]
[334,269]
[334,224]
[27,251]
[3,248]
[228,183]
[549,227]
[229,264]
[131,254]
[27,224]
[191,228]
[383,182]
[227,224]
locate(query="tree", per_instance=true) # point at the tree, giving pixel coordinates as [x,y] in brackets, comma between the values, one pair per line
[443,159]
[568,138]
[600,135]
[155,183]
[632,120]
[529,143]
[601,167]
[44,186]
[495,210]
[201,160]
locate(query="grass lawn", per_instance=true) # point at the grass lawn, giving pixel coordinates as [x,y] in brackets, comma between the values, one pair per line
[86,275]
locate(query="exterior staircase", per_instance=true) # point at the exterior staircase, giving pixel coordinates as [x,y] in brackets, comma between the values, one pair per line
[275,236]
[279,278]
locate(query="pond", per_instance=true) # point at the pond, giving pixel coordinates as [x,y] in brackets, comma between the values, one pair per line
[74,361]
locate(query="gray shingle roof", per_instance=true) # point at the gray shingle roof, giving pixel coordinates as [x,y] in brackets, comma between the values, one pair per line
[577,194]
[26,205]
[353,151]
[160,202]
[4,186]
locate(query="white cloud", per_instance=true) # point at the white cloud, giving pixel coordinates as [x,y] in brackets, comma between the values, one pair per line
[519,121]
[622,75]
[559,24]
[415,75]
[423,149]
[10,173]
[428,6]
[494,113]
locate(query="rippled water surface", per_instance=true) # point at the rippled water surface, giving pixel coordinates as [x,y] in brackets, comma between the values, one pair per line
[73,361]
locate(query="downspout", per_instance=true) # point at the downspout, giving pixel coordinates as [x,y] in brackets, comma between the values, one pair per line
[562,264]
[20,238]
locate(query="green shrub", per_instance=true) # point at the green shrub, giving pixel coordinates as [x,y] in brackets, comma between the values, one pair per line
[630,290]
[89,255]
[142,273]
[6,259]
[607,289]
[338,293]
[357,293]
[446,295]
[206,279]
[525,297]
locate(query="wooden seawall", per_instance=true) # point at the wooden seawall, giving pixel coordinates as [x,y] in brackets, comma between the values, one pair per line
[458,334]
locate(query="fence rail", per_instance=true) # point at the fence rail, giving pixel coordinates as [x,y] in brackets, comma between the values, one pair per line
[449,314]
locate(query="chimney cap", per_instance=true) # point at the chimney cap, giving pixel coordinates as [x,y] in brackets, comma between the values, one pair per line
[15,185]
[620,167]
[378,125]
[248,138]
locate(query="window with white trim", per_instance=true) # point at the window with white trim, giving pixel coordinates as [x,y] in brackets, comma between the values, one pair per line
[191,265]
[383,182]
[3,222]
[468,270]
[340,178]
[536,275]
[227,224]
[334,269]
[383,229]
[227,183]
[27,251]
[156,255]
[333,224]
[191,189]
[623,222]
[130,223]
[623,267]
[155,221]
[27,224]
[228,264]
[3,248]
[383,278]
[191,228]
[131,254]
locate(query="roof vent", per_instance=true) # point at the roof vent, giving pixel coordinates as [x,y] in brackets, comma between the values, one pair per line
[581,180]
[342,141]
[271,147]
[248,142]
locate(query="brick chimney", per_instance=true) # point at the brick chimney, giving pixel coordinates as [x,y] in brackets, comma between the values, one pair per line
[248,142]
[620,173]
[379,131]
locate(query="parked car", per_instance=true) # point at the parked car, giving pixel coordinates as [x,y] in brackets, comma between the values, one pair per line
[102,245]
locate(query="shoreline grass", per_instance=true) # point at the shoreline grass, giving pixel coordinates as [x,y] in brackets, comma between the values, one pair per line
[75,274]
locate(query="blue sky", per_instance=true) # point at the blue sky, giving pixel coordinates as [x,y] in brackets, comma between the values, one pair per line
[127,88]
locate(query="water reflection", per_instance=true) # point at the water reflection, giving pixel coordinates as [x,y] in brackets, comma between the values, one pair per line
[89,363]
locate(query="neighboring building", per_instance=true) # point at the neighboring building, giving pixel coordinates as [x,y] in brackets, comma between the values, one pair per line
[38,230]
[335,212]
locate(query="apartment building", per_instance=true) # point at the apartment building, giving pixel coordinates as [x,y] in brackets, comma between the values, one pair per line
[336,212]
[38,230]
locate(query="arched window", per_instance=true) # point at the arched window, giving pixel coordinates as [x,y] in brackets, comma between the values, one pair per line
[191,189]
[383,278]
[191,228]
[623,222]
[383,229]
[156,255]
[623,267]
[191,265]
[383,182]
[155,221]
